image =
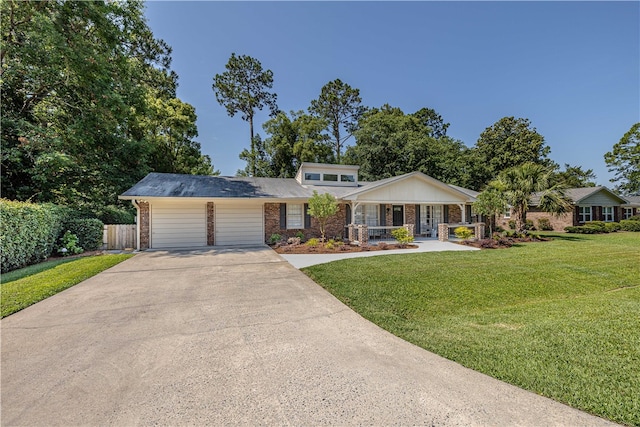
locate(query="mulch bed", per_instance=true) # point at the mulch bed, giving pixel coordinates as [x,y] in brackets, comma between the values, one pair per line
[305,249]
[87,253]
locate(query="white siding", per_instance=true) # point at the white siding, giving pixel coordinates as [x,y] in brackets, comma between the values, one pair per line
[178,225]
[239,225]
[412,190]
[601,198]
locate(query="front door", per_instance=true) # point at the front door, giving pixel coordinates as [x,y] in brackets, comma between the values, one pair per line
[398,215]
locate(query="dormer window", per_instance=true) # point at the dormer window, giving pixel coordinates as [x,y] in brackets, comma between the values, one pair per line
[328,174]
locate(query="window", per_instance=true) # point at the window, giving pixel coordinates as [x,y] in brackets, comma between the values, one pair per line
[607,213]
[330,177]
[367,214]
[628,213]
[312,176]
[584,213]
[347,178]
[507,213]
[295,216]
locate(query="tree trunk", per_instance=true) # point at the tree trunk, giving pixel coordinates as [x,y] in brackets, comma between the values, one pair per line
[252,166]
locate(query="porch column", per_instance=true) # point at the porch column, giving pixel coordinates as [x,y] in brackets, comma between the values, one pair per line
[463,213]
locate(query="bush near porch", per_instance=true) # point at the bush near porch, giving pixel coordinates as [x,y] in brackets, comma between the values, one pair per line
[559,319]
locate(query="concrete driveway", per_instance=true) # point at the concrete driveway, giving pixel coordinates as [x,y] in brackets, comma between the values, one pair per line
[228,337]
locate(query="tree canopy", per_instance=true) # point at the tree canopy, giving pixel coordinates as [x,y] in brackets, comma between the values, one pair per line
[624,161]
[340,106]
[244,87]
[88,98]
[510,142]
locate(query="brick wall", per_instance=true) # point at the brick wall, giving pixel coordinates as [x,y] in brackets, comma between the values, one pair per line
[210,224]
[410,214]
[145,225]
[455,214]
[335,225]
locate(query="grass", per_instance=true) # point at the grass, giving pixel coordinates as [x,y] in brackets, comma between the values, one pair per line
[559,318]
[24,287]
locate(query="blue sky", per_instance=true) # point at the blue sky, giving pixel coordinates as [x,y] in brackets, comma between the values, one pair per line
[571,68]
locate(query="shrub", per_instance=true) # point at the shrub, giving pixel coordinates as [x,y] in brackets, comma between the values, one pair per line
[313,242]
[463,233]
[581,230]
[275,238]
[598,225]
[544,224]
[630,224]
[300,235]
[611,227]
[528,225]
[330,244]
[69,244]
[512,224]
[634,218]
[402,236]
[88,230]
[115,215]
[28,232]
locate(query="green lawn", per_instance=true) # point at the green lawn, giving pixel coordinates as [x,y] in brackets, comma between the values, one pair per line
[21,288]
[560,318]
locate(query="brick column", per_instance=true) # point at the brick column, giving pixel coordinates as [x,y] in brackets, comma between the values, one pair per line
[409,228]
[145,225]
[210,224]
[443,232]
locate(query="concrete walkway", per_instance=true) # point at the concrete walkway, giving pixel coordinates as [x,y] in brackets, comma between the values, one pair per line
[425,245]
[234,337]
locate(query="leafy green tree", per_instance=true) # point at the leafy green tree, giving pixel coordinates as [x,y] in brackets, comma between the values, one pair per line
[322,207]
[257,161]
[390,143]
[510,142]
[624,161]
[340,105]
[76,82]
[575,177]
[432,120]
[244,88]
[490,203]
[171,127]
[518,185]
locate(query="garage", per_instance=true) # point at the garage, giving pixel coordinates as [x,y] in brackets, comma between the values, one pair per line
[239,224]
[178,225]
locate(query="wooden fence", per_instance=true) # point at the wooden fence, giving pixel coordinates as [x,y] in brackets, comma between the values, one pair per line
[119,236]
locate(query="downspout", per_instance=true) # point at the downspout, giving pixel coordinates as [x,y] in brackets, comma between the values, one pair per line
[135,203]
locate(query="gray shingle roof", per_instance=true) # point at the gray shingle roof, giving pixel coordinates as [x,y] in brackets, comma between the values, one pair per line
[577,194]
[178,185]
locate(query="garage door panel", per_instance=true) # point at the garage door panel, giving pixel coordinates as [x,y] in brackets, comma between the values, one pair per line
[178,226]
[239,225]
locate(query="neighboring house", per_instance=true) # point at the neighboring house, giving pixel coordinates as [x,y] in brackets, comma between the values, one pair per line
[589,204]
[191,210]
[632,207]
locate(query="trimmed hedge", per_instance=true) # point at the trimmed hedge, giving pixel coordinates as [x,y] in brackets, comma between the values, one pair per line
[28,232]
[595,227]
[89,232]
[630,224]
[115,215]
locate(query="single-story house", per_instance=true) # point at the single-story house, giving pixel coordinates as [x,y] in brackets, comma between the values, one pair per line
[589,204]
[177,211]
[632,207]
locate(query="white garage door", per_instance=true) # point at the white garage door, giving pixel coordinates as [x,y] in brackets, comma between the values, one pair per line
[180,225]
[239,225]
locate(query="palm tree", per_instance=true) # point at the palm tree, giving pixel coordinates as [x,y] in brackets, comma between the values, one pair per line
[519,183]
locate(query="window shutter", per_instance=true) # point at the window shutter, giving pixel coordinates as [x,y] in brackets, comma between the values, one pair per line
[348,214]
[468,213]
[418,231]
[283,216]
[383,215]
[307,217]
[446,213]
